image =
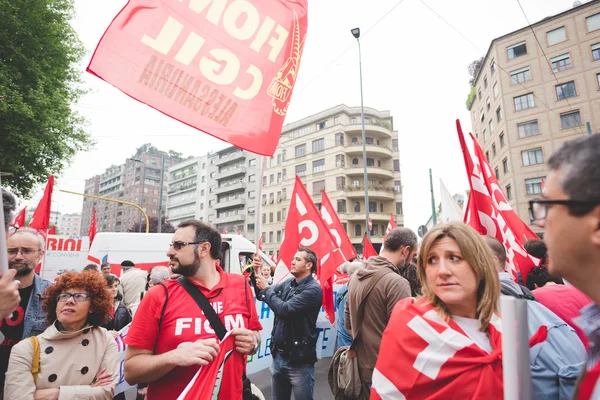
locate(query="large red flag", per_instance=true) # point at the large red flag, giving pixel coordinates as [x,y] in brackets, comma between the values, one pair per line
[92,231]
[19,220]
[489,212]
[40,220]
[305,228]
[225,68]
[368,249]
[336,228]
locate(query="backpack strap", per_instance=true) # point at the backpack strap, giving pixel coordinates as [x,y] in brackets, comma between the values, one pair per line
[35,364]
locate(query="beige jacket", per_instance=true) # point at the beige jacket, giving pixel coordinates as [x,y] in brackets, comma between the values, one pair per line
[68,361]
[133,281]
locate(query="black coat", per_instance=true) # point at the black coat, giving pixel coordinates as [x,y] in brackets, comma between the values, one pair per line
[121,319]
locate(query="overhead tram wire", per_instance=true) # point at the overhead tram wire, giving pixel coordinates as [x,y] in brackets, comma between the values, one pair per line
[497,65]
[545,56]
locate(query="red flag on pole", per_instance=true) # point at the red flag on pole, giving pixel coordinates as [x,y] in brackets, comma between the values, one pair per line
[273,258]
[489,212]
[19,220]
[391,225]
[305,228]
[336,228]
[92,231]
[260,243]
[225,68]
[52,231]
[368,249]
[40,220]
[239,233]
[370,224]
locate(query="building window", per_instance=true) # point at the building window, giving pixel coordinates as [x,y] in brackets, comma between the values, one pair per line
[532,157]
[485,82]
[527,129]
[252,163]
[494,150]
[278,159]
[355,162]
[397,187]
[353,120]
[505,165]
[395,144]
[340,182]
[303,131]
[533,186]
[251,194]
[565,91]
[524,102]
[282,155]
[356,183]
[318,145]
[300,150]
[279,177]
[356,206]
[372,206]
[270,217]
[491,123]
[319,165]
[399,208]
[520,76]
[271,237]
[341,206]
[339,139]
[369,140]
[570,119]
[354,140]
[593,22]
[598,79]
[264,181]
[501,139]
[264,218]
[482,118]
[340,160]
[336,120]
[487,156]
[499,114]
[596,51]
[321,125]
[484,135]
[271,179]
[397,165]
[367,121]
[495,89]
[516,50]
[370,162]
[508,192]
[488,104]
[492,66]
[497,173]
[357,230]
[278,236]
[283,213]
[561,63]
[556,36]
[301,170]
[252,178]
[278,216]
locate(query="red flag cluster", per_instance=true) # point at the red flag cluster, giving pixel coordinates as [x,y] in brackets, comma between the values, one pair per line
[40,220]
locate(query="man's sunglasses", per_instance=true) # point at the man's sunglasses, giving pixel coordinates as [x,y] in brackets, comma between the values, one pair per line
[178,245]
[539,207]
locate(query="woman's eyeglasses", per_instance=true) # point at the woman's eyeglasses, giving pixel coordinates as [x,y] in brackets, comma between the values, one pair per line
[77,297]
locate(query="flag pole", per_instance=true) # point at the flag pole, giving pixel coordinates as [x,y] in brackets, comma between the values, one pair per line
[3,244]
[262,164]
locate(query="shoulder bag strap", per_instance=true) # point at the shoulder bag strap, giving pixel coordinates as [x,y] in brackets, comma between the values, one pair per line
[35,364]
[164,307]
[361,308]
[202,301]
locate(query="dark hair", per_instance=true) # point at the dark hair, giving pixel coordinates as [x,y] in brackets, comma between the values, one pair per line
[110,280]
[538,249]
[410,274]
[9,205]
[127,264]
[205,233]
[93,283]
[400,237]
[311,257]
[497,248]
[105,264]
[91,267]
[580,171]
[540,276]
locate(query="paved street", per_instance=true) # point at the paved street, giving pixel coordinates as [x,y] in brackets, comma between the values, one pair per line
[262,379]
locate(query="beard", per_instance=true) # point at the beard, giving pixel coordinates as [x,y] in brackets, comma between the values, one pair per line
[185,269]
[23,267]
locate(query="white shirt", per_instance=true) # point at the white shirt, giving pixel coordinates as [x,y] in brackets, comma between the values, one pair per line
[472,327]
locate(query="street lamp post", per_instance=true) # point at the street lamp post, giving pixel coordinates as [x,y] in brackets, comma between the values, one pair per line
[143,179]
[162,175]
[356,34]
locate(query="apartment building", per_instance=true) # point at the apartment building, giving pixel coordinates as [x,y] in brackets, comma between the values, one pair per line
[69,224]
[137,181]
[187,191]
[326,151]
[538,87]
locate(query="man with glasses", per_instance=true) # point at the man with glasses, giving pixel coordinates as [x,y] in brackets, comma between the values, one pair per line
[170,337]
[25,250]
[570,213]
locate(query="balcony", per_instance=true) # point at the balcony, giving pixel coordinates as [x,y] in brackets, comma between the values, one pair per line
[374,172]
[230,173]
[375,131]
[230,188]
[360,216]
[375,239]
[237,156]
[372,149]
[231,218]
[230,203]
[375,192]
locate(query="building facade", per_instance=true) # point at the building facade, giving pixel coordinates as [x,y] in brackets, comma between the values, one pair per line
[69,224]
[325,150]
[187,191]
[536,89]
[137,181]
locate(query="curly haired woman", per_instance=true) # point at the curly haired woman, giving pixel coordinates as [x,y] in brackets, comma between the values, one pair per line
[77,358]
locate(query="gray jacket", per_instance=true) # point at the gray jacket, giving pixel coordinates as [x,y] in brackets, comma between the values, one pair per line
[35,318]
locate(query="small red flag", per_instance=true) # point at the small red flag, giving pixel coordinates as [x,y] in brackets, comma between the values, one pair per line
[92,231]
[260,243]
[19,220]
[41,217]
[52,231]
[368,249]
[336,228]
[370,224]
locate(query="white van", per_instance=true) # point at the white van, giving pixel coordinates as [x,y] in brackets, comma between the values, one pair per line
[147,250]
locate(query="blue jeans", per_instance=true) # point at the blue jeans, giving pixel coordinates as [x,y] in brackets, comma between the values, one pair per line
[285,378]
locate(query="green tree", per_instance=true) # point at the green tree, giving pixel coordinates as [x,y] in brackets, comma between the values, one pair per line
[165,228]
[40,133]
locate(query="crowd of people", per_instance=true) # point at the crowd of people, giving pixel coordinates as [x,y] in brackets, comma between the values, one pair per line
[418,321]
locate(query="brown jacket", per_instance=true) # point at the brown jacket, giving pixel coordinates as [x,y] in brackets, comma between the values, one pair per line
[68,361]
[390,289]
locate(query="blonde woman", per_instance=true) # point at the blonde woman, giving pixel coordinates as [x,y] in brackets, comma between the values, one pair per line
[445,344]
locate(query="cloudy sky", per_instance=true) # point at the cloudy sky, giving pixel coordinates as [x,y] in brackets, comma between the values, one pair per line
[414,64]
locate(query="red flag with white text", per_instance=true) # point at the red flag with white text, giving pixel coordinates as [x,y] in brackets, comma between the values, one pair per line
[489,212]
[40,221]
[92,231]
[305,228]
[368,249]
[336,228]
[19,220]
[226,68]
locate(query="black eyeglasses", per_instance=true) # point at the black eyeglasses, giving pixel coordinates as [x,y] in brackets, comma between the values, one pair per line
[539,207]
[78,297]
[26,251]
[178,245]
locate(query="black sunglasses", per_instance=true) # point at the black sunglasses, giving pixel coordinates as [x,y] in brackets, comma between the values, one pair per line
[539,207]
[178,245]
